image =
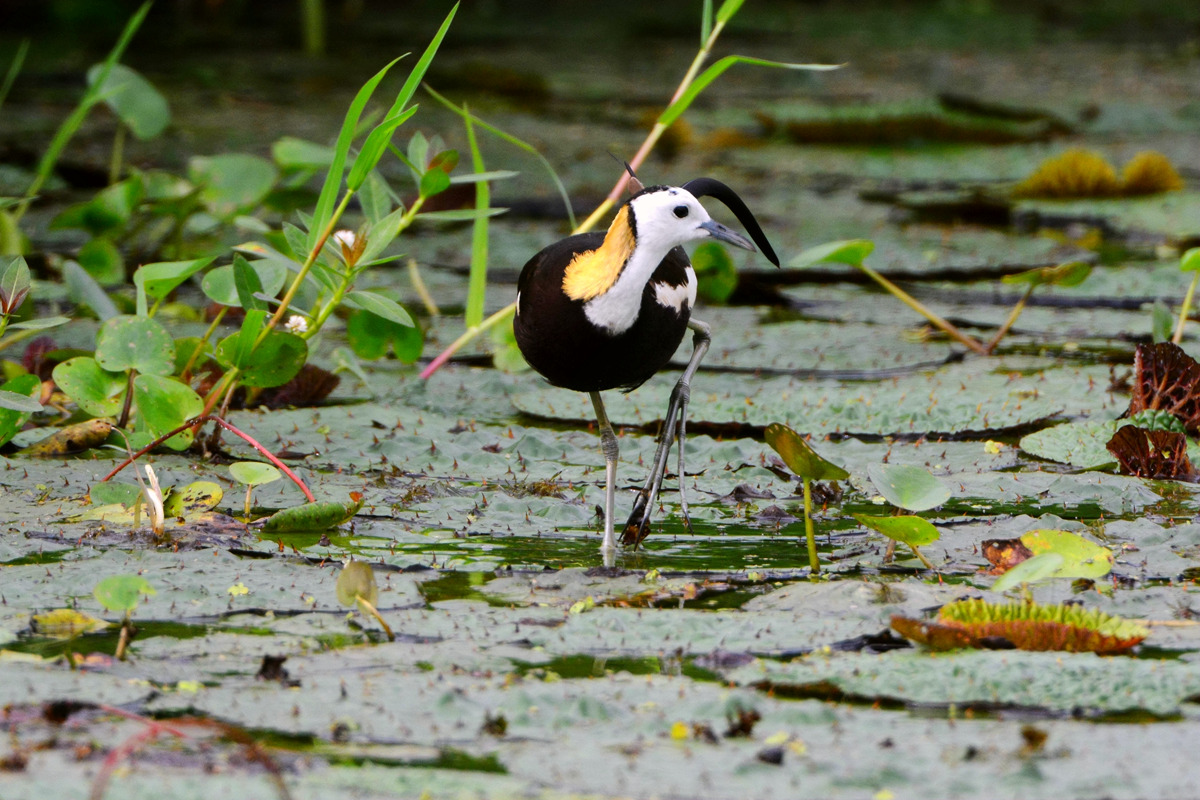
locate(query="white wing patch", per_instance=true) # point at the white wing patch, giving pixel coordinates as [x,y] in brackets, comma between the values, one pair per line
[670,296]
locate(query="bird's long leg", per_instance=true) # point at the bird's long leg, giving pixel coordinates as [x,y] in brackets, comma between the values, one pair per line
[608,444]
[638,523]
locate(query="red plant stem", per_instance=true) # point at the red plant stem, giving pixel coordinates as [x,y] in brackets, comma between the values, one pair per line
[232,429]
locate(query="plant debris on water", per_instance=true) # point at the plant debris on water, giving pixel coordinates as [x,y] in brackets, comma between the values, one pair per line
[261,403]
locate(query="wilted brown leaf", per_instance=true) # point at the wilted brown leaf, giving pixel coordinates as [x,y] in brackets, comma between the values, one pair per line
[1166,379]
[1004,554]
[1152,454]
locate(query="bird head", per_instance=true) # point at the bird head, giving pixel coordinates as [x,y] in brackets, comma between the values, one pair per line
[668,216]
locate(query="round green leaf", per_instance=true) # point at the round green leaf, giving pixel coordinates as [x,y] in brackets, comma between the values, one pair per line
[909,530]
[254,473]
[139,343]
[102,260]
[910,488]
[273,363]
[220,287]
[356,580]
[164,404]
[232,182]
[95,390]
[800,458]
[115,492]
[121,593]
[134,99]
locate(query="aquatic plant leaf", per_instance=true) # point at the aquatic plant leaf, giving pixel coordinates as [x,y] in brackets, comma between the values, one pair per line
[909,487]
[109,492]
[1004,554]
[1150,172]
[135,343]
[160,279]
[371,336]
[1152,454]
[379,305]
[133,99]
[1027,626]
[313,516]
[254,473]
[93,388]
[1168,379]
[1031,626]
[932,634]
[356,580]
[72,439]
[715,272]
[66,623]
[1081,558]
[1080,444]
[906,529]
[1031,570]
[232,183]
[221,288]
[193,499]
[850,251]
[1069,274]
[1075,173]
[164,404]
[122,593]
[799,455]
[23,391]
[1190,260]
[274,362]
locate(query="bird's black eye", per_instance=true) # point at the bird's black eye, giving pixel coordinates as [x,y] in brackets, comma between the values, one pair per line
[681,211]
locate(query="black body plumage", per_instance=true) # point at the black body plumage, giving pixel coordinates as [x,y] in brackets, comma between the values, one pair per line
[559,341]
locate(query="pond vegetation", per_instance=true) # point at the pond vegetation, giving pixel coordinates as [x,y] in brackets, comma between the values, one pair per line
[263,406]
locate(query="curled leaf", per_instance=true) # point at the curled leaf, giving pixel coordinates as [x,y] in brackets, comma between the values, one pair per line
[1027,626]
[1166,379]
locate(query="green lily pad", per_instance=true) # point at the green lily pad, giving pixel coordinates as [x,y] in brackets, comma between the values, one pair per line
[800,457]
[195,498]
[254,473]
[122,593]
[114,492]
[908,487]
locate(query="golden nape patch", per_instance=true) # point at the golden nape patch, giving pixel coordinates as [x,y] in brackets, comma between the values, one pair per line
[592,273]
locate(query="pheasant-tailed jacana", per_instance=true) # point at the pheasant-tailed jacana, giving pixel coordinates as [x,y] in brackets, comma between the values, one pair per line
[599,311]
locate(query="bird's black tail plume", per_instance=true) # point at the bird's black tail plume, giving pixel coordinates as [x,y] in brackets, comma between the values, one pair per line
[710,187]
